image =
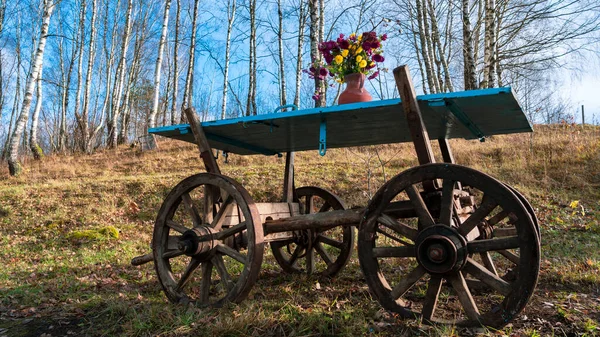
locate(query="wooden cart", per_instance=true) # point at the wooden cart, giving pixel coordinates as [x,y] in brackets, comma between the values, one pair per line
[438,242]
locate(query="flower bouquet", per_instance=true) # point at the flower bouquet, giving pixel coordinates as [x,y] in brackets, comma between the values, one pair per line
[354,55]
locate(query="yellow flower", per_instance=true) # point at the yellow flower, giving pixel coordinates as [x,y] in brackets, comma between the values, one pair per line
[344,52]
[362,64]
[359,50]
[360,37]
[352,35]
[371,64]
[339,80]
[338,59]
[359,58]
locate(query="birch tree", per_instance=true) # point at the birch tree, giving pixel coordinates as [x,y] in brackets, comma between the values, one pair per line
[187,92]
[231,11]
[119,80]
[302,17]
[157,70]
[14,166]
[175,65]
[85,133]
[251,101]
[36,150]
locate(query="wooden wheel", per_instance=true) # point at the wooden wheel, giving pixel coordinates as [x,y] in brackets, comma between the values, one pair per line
[529,209]
[208,241]
[323,252]
[465,257]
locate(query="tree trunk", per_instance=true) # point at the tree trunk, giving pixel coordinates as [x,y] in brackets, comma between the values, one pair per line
[424,48]
[119,81]
[301,26]
[81,39]
[187,92]
[313,8]
[251,101]
[231,7]
[13,164]
[33,138]
[16,101]
[282,88]
[88,80]
[489,46]
[161,48]
[470,81]
[447,82]
[175,66]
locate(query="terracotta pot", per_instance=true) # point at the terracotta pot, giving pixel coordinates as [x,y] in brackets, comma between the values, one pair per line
[355,91]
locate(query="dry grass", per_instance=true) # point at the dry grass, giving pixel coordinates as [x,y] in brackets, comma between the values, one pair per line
[63,273]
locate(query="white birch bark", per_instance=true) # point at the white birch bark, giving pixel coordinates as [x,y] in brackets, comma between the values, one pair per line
[33,135]
[119,81]
[301,26]
[85,136]
[282,88]
[157,68]
[187,92]
[14,166]
[175,66]
[231,9]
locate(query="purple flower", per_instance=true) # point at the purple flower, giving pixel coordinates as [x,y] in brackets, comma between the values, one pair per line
[343,44]
[366,46]
[322,46]
[328,58]
[383,37]
[323,72]
[316,97]
[378,58]
[375,74]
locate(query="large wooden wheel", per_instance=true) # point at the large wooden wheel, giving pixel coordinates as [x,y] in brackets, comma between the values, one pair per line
[323,252]
[466,256]
[208,241]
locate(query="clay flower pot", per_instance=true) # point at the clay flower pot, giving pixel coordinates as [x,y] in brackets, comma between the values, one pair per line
[355,91]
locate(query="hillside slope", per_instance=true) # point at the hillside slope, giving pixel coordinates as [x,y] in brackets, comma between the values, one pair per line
[70,225]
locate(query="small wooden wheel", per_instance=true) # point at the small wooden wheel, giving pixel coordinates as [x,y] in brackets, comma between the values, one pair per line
[529,209]
[468,256]
[208,241]
[323,252]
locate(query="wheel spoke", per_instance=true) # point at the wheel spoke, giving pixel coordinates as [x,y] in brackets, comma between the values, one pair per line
[407,282]
[169,254]
[217,260]
[189,270]
[504,232]
[205,283]
[398,227]
[480,246]
[329,241]
[310,261]
[222,214]
[310,204]
[486,207]
[487,277]
[294,255]
[325,207]
[404,251]
[176,226]
[225,233]
[514,258]
[447,206]
[431,298]
[324,255]
[381,231]
[223,249]
[497,218]
[420,207]
[173,242]
[486,258]
[191,208]
[464,296]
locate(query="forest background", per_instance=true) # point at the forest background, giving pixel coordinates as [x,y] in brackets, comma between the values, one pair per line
[79,75]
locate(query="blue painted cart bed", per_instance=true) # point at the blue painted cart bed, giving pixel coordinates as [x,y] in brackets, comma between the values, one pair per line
[471,114]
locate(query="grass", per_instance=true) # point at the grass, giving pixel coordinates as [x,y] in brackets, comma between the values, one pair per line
[69,226]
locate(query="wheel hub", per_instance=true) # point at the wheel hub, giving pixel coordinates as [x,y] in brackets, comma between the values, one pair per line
[191,245]
[441,249]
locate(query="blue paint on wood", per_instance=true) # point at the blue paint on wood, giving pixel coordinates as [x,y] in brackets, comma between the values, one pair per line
[470,114]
